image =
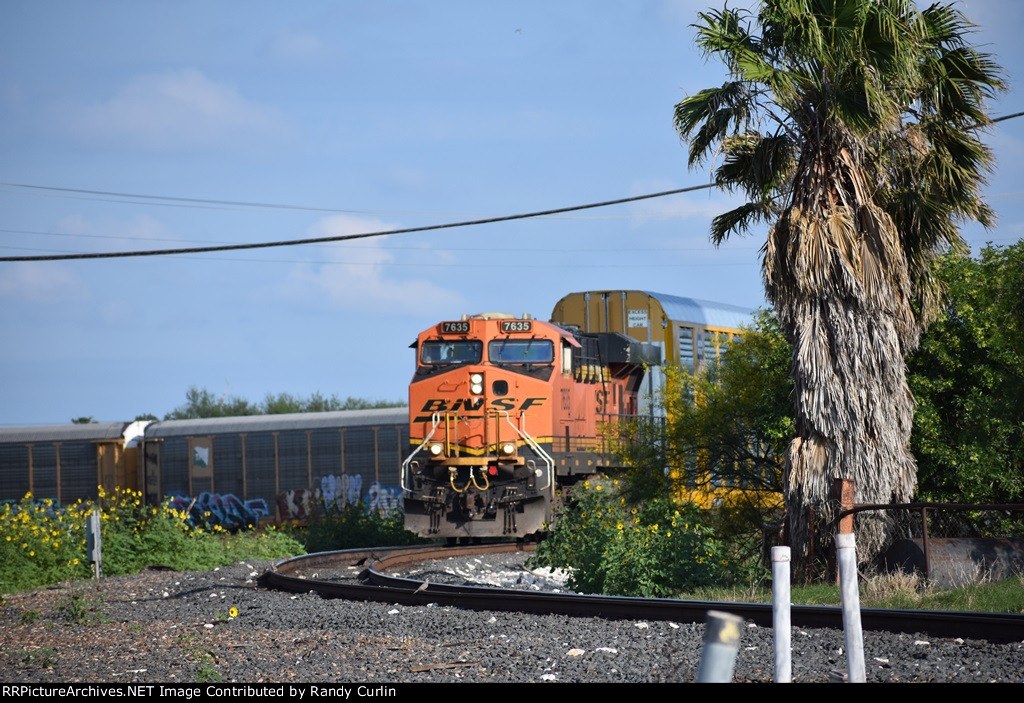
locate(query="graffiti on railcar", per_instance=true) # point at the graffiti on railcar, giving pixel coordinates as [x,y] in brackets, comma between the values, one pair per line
[386,501]
[224,509]
[335,492]
[339,491]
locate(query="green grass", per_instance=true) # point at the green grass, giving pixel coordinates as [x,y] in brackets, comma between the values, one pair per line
[890,592]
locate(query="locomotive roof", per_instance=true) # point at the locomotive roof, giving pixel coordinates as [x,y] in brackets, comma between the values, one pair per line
[283,422]
[702,312]
[93,431]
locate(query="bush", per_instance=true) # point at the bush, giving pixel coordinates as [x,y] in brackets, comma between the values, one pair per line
[653,548]
[42,544]
[352,526]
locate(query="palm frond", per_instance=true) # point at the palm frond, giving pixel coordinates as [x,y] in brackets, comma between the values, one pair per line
[741,219]
[759,164]
[705,118]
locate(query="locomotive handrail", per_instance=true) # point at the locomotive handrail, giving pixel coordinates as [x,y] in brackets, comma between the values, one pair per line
[537,448]
[436,417]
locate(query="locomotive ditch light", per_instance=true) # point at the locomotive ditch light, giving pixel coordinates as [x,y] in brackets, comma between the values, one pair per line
[436,449]
[508,448]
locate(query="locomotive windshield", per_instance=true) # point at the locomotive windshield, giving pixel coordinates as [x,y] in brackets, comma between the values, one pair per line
[521,351]
[456,351]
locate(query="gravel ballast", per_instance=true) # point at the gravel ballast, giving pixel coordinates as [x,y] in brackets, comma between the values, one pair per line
[166,626]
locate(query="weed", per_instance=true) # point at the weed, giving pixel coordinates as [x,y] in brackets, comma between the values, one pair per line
[204,671]
[28,617]
[82,608]
[41,658]
[893,586]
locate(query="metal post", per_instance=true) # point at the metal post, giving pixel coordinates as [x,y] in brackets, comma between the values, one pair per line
[812,520]
[781,622]
[924,544]
[93,541]
[721,642]
[846,553]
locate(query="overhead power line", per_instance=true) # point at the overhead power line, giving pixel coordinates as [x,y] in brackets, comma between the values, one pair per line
[322,240]
[193,201]
[349,237]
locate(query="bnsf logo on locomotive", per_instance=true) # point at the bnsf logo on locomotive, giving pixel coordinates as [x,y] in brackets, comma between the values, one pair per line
[440,405]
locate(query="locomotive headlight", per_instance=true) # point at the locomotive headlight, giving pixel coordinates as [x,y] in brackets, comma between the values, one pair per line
[435,449]
[476,383]
[508,448]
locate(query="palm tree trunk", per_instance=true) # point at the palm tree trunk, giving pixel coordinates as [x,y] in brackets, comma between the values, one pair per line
[854,413]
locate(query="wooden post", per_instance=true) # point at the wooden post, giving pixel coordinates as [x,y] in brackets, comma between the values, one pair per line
[843,490]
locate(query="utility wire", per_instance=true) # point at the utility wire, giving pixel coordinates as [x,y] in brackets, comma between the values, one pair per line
[196,201]
[321,240]
[349,237]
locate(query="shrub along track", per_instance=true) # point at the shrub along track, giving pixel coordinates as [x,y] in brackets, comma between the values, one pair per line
[362,574]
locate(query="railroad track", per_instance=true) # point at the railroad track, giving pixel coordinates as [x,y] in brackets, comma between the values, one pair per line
[363,574]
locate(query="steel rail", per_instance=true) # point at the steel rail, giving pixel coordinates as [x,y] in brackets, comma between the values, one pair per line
[378,586]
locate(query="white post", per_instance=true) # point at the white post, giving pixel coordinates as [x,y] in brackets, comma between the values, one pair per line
[781,620]
[721,642]
[846,550]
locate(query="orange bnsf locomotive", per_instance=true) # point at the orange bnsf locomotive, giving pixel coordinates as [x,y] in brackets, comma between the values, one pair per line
[501,411]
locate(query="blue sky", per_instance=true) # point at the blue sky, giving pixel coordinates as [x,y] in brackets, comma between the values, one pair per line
[381,114]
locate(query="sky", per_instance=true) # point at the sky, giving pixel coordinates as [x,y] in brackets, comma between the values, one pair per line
[336,117]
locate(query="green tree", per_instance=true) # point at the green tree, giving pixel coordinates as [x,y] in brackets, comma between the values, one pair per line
[851,126]
[728,427]
[317,402]
[968,379]
[201,403]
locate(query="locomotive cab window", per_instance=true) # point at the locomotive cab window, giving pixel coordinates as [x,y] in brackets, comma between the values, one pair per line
[521,351]
[456,351]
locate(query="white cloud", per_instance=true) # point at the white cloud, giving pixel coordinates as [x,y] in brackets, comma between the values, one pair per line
[40,282]
[172,110]
[364,278]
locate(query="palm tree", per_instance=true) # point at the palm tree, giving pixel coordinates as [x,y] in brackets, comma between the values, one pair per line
[852,128]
